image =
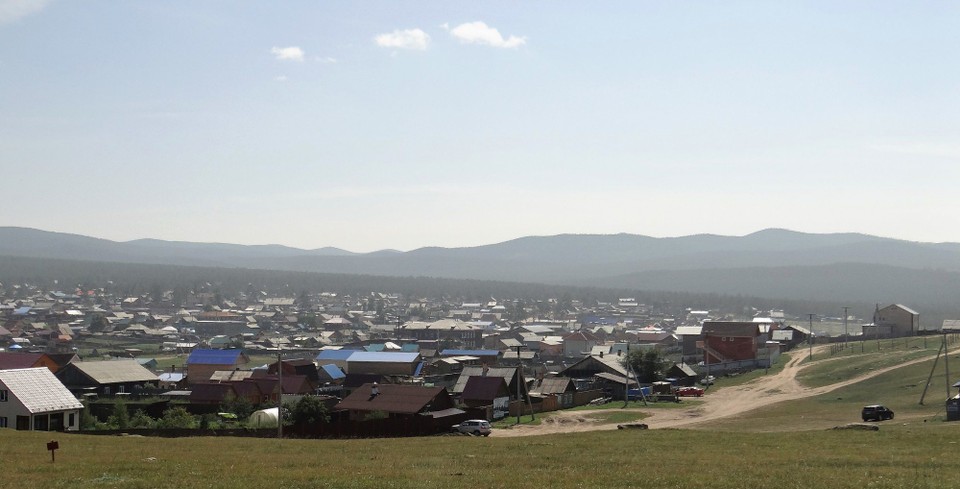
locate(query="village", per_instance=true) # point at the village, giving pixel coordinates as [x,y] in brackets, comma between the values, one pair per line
[377,365]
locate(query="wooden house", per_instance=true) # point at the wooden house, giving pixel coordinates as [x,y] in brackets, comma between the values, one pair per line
[202,363]
[107,378]
[397,401]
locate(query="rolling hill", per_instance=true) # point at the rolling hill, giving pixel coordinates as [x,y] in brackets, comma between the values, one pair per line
[770,263]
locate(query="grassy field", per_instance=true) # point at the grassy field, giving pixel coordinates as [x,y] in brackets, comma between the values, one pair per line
[899,389]
[784,445]
[891,458]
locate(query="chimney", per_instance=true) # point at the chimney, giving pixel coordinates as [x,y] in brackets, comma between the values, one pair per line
[601,354]
[486,369]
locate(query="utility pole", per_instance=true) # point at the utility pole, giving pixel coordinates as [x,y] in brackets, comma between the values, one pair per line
[280,395]
[846,335]
[810,338]
[519,401]
[946,363]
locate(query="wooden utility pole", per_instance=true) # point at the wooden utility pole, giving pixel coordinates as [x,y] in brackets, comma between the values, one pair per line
[930,377]
[946,363]
[280,393]
[846,335]
[519,375]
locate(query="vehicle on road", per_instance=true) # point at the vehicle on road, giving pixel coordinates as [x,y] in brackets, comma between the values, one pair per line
[876,412]
[689,391]
[473,427]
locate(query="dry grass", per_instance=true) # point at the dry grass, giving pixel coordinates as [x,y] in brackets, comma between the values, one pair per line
[914,451]
[917,457]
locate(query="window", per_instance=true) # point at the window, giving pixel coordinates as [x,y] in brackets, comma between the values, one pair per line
[72,420]
[3,395]
[3,422]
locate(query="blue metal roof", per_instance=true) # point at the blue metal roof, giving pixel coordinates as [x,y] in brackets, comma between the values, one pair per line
[335,354]
[376,347]
[419,369]
[410,347]
[22,311]
[333,371]
[214,357]
[471,353]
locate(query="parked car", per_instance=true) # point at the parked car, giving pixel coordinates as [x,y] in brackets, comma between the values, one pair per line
[876,412]
[689,391]
[473,427]
[708,380]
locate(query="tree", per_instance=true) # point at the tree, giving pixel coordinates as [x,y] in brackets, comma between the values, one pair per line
[98,322]
[87,420]
[381,313]
[120,417]
[176,417]
[648,364]
[140,419]
[240,406]
[307,410]
[304,301]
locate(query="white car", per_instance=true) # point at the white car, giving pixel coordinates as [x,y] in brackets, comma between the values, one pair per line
[473,427]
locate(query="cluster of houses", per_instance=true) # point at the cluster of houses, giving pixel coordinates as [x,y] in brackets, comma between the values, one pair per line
[448,361]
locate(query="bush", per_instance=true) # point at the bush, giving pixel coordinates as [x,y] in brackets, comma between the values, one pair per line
[177,417]
[307,410]
[87,420]
[648,364]
[141,420]
[240,406]
[120,417]
[207,421]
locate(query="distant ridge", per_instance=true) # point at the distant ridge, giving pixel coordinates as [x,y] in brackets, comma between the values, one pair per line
[760,263]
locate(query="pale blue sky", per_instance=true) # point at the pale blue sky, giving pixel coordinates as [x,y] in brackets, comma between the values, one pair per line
[370,125]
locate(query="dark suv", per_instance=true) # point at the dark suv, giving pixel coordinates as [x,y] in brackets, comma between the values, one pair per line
[876,412]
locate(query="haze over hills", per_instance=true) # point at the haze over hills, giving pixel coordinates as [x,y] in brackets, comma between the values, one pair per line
[769,263]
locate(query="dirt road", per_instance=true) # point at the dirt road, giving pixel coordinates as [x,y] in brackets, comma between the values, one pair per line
[723,403]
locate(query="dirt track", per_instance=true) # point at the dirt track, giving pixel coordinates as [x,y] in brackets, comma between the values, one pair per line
[723,403]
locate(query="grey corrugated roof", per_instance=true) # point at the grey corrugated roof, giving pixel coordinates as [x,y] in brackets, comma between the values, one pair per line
[115,371]
[384,357]
[689,330]
[38,390]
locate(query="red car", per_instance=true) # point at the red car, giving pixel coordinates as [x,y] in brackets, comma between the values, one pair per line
[689,392]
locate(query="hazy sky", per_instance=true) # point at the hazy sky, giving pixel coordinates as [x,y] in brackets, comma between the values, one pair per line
[369,125]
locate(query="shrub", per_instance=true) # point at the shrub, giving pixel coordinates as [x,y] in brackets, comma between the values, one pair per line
[307,410]
[177,417]
[141,420]
[120,417]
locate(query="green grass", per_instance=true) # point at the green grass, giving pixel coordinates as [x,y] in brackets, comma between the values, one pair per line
[846,367]
[895,458]
[609,417]
[899,389]
[512,421]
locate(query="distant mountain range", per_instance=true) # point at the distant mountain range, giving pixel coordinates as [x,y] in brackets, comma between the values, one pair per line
[772,263]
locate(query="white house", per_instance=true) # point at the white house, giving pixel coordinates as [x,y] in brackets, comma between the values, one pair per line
[33,399]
